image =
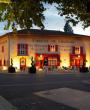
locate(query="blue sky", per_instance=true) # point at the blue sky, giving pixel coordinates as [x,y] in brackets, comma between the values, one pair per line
[53,22]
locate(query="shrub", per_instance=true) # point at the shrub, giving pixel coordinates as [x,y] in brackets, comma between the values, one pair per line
[84,69]
[32,69]
[11,69]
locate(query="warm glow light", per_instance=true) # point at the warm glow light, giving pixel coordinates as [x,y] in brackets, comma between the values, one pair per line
[65,61]
[5,68]
[88,59]
[87,64]
[41,57]
[78,56]
[16,63]
[40,69]
[65,64]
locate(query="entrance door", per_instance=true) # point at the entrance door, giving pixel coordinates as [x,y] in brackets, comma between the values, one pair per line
[77,62]
[22,64]
[52,61]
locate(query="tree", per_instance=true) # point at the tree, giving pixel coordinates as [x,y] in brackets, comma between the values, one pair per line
[25,13]
[75,11]
[68,28]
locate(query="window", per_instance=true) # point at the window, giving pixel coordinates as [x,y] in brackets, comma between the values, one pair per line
[23,49]
[77,50]
[52,48]
[5,63]
[2,48]
[52,61]
[0,62]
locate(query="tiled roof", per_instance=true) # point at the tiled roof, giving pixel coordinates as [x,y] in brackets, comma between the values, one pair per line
[45,32]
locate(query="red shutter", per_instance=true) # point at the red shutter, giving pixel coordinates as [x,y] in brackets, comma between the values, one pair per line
[18,49]
[81,50]
[2,48]
[49,48]
[56,48]
[0,62]
[26,49]
[73,50]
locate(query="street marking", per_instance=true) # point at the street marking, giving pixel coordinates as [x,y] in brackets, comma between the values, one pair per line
[71,97]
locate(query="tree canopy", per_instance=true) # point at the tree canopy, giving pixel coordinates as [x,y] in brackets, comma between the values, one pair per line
[68,28]
[25,13]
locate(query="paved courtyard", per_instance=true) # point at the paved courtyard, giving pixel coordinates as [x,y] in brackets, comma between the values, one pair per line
[46,91]
[71,97]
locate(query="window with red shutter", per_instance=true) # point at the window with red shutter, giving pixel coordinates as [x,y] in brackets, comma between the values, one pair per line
[2,48]
[18,49]
[73,50]
[77,50]
[56,48]
[4,62]
[49,48]
[0,62]
[22,49]
[26,49]
[81,50]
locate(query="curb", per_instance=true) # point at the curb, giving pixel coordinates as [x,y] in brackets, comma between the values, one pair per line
[5,105]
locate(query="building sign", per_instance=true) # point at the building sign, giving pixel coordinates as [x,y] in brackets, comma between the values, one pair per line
[65,49]
[38,47]
[39,41]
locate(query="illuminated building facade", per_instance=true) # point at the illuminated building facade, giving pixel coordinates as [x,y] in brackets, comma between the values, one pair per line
[57,48]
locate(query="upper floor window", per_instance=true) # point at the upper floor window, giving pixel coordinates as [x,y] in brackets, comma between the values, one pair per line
[22,49]
[0,62]
[52,48]
[77,50]
[2,48]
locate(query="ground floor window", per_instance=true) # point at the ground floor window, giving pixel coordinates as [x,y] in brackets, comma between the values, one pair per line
[52,61]
[4,63]
[47,60]
[77,60]
[0,62]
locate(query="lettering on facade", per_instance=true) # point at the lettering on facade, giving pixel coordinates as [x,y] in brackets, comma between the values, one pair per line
[42,45]
[53,41]
[39,41]
[65,41]
[38,47]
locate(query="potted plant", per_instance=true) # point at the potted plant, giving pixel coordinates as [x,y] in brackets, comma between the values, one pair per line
[84,68]
[32,69]
[11,69]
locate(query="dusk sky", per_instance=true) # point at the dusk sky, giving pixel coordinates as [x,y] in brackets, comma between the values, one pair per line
[54,22]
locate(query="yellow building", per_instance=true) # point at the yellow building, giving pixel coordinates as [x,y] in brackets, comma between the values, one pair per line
[57,48]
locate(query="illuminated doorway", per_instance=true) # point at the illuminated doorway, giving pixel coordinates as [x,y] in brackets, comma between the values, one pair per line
[77,60]
[52,61]
[22,64]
